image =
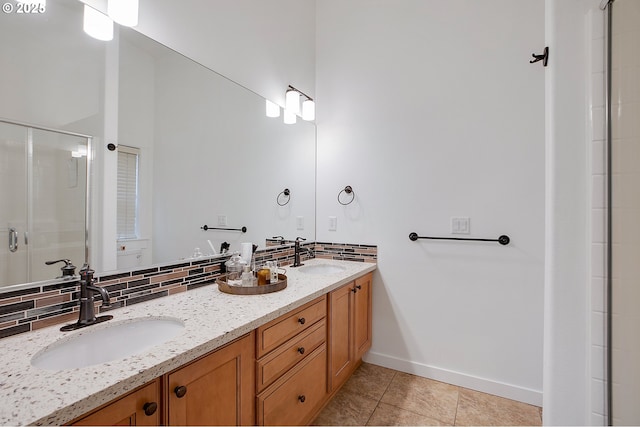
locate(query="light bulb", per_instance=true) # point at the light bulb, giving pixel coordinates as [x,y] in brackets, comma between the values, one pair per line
[97,24]
[292,101]
[273,109]
[308,110]
[124,12]
[289,117]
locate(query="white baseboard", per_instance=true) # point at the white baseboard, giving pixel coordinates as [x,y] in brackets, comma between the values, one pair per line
[509,391]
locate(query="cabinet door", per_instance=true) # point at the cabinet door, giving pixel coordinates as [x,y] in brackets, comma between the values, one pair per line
[218,389]
[341,357]
[362,315]
[138,408]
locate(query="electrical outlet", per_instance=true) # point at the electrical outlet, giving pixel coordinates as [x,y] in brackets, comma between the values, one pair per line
[460,225]
[333,223]
[222,220]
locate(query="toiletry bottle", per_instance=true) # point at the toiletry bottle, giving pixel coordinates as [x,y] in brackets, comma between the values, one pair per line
[264,276]
[274,271]
[247,276]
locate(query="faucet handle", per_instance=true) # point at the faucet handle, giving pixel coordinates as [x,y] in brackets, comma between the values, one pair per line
[67,270]
[300,239]
[86,272]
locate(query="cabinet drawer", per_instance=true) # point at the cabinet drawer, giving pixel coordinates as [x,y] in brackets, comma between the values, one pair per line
[285,327]
[272,366]
[297,396]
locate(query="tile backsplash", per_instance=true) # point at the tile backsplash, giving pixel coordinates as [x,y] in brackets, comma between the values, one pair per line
[45,305]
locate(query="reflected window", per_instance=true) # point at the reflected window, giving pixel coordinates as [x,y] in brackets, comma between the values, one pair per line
[128,163]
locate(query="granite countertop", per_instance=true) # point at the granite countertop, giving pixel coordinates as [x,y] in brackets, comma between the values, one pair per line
[35,396]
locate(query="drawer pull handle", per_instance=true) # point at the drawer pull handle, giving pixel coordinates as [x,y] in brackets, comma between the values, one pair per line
[301,350]
[301,320]
[180,391]
[150,408]
[301,398]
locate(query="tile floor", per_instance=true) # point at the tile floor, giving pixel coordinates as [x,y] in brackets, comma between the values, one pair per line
[377,396]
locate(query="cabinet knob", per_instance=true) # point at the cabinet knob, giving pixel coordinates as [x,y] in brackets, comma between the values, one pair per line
[301,350]
[354,290]
[180,391]
[150,408]
[359,287]
[301,398]
[301,320]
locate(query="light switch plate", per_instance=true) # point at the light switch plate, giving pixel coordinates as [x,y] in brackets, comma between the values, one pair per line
[460,225]
[222,220]
[300,223]
[333,223]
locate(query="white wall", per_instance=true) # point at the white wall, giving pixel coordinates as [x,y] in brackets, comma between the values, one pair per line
[431,110]
[262,45]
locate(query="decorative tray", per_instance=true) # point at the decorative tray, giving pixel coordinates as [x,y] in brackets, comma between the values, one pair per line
[223,286]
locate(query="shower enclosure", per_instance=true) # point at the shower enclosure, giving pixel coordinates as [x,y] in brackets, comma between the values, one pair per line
[623,254]
[43,188]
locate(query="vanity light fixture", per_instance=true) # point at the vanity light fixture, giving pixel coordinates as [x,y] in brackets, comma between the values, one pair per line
[124,12]
[273,109]
[308,110]
[292,100]
[97,24]
[289,117]
[292,106]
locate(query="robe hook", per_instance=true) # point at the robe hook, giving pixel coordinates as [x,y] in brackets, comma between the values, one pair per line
[544,57]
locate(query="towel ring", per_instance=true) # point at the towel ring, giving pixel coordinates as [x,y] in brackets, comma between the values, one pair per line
[347,190]
[287,194]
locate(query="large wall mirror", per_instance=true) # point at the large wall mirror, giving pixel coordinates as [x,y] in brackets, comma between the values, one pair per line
[193,147]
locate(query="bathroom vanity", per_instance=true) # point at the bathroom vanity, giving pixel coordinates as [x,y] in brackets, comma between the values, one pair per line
[268,359]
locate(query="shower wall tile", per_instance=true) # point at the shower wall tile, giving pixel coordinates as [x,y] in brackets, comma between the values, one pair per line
[598,191]
[598,297]
[597,132]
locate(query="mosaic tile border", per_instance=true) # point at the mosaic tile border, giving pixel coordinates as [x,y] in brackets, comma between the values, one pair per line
[34,308]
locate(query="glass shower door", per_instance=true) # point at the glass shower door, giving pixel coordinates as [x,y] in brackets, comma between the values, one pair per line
[13,208]
[57,200]
[43,188]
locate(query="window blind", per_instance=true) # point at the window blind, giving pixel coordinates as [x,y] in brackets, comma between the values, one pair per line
[127,215]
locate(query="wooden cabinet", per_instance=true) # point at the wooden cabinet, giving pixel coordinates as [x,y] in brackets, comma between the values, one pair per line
[141,407]
[280,374]
[291,370]
[349,329]
[217,389]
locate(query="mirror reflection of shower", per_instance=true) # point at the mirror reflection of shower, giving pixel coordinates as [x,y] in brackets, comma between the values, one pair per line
[43,185]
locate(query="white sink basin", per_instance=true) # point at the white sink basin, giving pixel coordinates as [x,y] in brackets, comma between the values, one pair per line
[107,343]
[321,269]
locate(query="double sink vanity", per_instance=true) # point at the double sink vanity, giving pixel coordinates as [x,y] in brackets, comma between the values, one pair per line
[198,357]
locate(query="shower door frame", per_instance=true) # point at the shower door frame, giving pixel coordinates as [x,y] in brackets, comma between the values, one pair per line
[29,127]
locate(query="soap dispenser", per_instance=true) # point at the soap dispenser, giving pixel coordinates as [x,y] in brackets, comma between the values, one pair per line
[235,266]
